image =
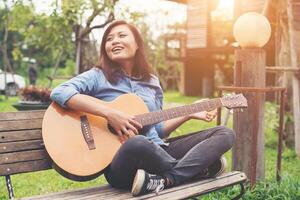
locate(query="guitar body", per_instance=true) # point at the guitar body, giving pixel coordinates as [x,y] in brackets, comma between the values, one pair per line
[66,145]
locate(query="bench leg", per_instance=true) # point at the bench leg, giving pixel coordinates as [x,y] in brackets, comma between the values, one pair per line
[9,187]
[242,192]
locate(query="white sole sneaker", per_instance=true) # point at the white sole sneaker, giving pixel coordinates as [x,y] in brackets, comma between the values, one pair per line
[138,182]
[223,166]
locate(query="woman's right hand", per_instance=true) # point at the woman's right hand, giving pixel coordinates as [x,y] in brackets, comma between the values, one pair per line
[124,124]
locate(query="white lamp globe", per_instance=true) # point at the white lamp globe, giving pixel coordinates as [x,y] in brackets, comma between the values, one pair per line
[252,30]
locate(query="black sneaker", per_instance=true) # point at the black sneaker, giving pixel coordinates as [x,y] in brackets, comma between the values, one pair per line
[144,183]
[218,167]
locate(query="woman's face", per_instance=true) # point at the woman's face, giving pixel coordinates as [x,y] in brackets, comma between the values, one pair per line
[120,44]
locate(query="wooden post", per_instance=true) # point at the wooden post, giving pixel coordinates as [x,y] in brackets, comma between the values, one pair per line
[295,81]
[248,125]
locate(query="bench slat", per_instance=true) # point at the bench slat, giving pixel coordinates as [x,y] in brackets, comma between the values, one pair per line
[20,124]
[23,156]
[180,192]
[199,188]
[12,136]
[72,193]
[21,167]
[37,114]
[21,146]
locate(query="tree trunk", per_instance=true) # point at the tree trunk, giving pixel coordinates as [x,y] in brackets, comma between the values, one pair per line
[86,54]
[283,58]
[78,42]
[4,50]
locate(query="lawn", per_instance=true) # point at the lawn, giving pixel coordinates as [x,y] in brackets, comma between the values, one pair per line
[50,181]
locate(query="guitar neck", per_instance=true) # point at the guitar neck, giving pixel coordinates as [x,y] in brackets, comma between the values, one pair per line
[164,115]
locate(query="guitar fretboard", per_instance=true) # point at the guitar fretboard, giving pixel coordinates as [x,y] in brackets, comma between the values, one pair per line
[163,115]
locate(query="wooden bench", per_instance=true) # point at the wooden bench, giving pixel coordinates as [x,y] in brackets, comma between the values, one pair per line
[22,150]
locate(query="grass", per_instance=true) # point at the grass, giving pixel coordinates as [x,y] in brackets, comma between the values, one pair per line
[6,104]
[49,181]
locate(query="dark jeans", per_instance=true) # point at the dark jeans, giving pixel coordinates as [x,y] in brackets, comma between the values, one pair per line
[182,160]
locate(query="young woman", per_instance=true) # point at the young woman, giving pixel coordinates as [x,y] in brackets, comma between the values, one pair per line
[143,163]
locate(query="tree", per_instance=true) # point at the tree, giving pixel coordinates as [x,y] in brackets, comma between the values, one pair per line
[48,38]
[6,18]
[73,11]
[41,36]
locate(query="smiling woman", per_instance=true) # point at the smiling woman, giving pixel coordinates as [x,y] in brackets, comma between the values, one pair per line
[122,58]
[121,46]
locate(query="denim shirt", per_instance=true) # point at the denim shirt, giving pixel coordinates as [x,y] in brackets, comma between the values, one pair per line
[95,84]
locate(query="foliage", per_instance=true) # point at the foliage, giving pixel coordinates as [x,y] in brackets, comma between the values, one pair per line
[34,93]
[288,189]
[271,123]
[13,37]
[50,38]
[40,36]
[69,69]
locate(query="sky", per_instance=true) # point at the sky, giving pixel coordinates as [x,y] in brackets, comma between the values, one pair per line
[224,9]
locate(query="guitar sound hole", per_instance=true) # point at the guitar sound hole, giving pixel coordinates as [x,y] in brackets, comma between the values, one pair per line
[144,130]
[111,129]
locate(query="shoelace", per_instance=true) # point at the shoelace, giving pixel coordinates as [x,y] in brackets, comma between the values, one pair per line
[160,187]
[156,185]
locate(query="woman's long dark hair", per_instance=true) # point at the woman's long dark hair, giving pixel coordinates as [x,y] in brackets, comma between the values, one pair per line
[141,66]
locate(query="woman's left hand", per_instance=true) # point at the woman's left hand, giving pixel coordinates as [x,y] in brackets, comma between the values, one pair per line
[204,115]
[207,116]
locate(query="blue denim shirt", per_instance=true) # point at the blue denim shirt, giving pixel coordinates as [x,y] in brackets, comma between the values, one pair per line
[94,83]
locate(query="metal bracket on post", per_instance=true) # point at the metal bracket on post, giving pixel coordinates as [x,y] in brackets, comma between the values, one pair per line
[9,187]
[242,192]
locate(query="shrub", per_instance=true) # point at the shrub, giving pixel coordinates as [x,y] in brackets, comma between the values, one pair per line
[34,93]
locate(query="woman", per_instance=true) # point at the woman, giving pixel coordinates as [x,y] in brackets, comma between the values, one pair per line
[143,163]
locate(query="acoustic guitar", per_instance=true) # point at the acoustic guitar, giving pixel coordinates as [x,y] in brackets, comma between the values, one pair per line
[83,145]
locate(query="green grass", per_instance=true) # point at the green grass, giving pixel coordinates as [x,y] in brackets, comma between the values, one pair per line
[6,104]
[49,181]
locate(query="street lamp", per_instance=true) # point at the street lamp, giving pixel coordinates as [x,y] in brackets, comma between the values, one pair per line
[252,30]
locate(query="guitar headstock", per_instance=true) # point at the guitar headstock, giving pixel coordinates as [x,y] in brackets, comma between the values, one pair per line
[234,101]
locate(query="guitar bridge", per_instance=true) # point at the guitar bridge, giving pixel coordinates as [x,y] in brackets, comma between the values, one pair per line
[87,133]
